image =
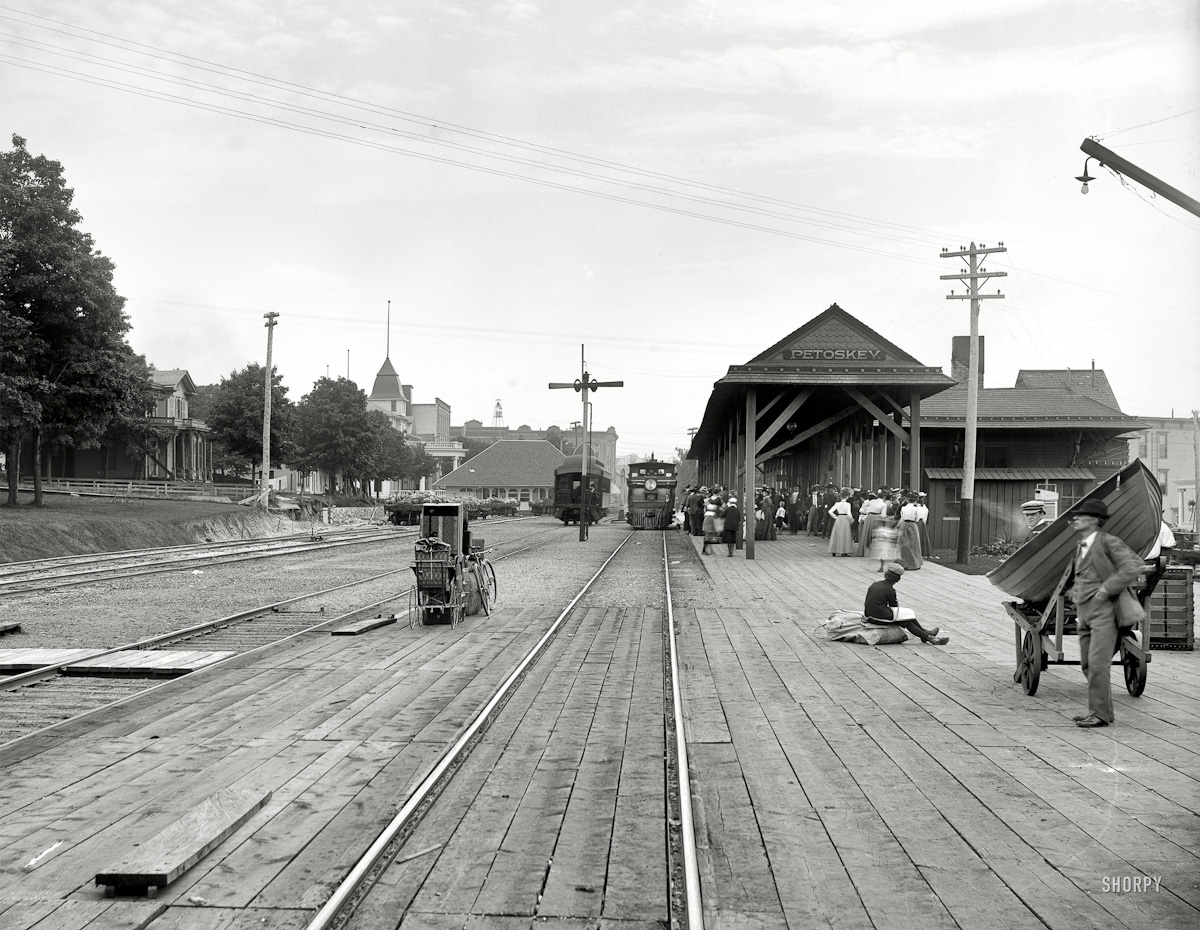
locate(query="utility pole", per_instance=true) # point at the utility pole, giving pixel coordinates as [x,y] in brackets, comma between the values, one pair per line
[266,463]
[1196,474]
[973,276]
[584,384]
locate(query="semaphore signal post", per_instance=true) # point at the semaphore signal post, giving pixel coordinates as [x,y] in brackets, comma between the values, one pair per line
[583,384]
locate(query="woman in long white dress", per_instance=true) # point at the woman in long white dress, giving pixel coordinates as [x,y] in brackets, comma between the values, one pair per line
[841,539]
[870,518]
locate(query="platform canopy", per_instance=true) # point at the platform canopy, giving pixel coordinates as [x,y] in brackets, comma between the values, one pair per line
[825,371]
[831,369]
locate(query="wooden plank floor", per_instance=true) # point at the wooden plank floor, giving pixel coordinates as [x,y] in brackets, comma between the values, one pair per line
[558,817]
[338,728]
[913,785]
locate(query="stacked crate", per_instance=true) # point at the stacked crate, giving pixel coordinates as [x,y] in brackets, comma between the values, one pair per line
[1170,613]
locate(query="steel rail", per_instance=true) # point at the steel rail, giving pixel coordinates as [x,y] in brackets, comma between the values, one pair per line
[21,679]
[47,671]
[691,870]
[101,575]
[110,555]
[324,918]
[351,537]
[25,678]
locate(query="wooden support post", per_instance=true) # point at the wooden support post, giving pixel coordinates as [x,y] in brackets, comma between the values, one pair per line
[916,477]
[897,465]
[748,508]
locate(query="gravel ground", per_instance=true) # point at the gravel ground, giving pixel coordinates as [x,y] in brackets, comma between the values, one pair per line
[111,613]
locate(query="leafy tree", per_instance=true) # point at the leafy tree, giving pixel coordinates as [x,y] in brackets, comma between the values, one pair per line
[474,447]
[333,431]
[554,436]
[421,463]
[235,416]
[66,373]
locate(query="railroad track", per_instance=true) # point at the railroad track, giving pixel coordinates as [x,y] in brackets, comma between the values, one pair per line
[392,846]
[50,694]
[48,574]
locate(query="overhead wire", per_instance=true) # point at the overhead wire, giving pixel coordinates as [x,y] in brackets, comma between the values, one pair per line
[430,122]
[473,150]
[887,230]
[284,124]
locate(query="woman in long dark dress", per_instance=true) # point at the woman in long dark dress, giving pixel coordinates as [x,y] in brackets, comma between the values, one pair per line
[909,537]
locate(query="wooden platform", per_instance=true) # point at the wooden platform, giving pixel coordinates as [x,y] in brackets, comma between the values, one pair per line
[339,729]
[834,785]
[917,786]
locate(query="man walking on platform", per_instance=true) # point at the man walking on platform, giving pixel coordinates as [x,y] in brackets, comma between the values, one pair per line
[1104,567]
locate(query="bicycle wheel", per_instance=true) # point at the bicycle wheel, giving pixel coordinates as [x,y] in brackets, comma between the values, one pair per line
[490,585]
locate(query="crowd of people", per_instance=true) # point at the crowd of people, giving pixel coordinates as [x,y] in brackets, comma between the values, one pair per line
[886,525]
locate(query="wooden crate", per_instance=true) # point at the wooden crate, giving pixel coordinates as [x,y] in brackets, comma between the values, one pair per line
[1170,615]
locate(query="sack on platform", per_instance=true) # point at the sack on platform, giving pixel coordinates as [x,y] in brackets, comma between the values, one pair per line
[1128,610]
[850,626]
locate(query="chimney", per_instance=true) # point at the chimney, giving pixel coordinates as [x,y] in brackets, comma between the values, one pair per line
[960,357]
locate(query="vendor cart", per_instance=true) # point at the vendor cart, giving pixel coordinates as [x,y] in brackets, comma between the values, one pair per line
[1039,639]
[453,578]
[1039,572]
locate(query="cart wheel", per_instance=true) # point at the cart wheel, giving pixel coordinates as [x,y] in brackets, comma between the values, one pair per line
[1031,662]
[1135,673]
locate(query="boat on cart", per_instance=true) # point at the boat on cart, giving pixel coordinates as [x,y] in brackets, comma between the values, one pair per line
[1039,571]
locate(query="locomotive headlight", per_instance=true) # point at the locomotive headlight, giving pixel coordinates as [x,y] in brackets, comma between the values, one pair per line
[651,484]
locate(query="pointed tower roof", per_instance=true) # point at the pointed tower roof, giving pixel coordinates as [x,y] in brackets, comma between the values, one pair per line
[387,383]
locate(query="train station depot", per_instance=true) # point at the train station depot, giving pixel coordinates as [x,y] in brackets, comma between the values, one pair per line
[522,469]
[836,402]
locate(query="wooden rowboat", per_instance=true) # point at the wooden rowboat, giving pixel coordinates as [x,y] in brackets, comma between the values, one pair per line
[1134,502]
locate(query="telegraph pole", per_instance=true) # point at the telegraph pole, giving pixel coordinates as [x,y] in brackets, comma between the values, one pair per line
[1196,475]
[267,379]
[584,384]
[973,277]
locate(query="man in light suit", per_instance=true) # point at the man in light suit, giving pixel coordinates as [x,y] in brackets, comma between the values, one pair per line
[1104,567]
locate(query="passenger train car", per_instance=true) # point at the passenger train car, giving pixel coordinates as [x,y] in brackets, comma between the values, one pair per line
[568,480]
[651,494]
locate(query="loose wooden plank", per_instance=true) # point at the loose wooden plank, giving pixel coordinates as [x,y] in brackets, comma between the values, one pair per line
[359,627]
[168,854]
[137,662]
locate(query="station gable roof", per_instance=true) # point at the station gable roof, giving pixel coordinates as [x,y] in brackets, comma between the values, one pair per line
[1025,408]
[831,352]
[509,463]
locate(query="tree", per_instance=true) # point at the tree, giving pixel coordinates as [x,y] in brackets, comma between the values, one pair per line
[554,436]
[333,432]
[235,416]
[66,373]
[474,447]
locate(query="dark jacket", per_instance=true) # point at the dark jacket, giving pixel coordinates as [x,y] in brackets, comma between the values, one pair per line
[880,596]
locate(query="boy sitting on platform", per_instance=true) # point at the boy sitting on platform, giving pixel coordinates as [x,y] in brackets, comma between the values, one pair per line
[882,607]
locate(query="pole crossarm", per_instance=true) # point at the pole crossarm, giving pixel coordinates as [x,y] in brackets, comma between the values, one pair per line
[777,424]
[972,277]
[877,412]
[582,385]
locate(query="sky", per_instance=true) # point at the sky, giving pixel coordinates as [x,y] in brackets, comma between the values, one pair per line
[673,186]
